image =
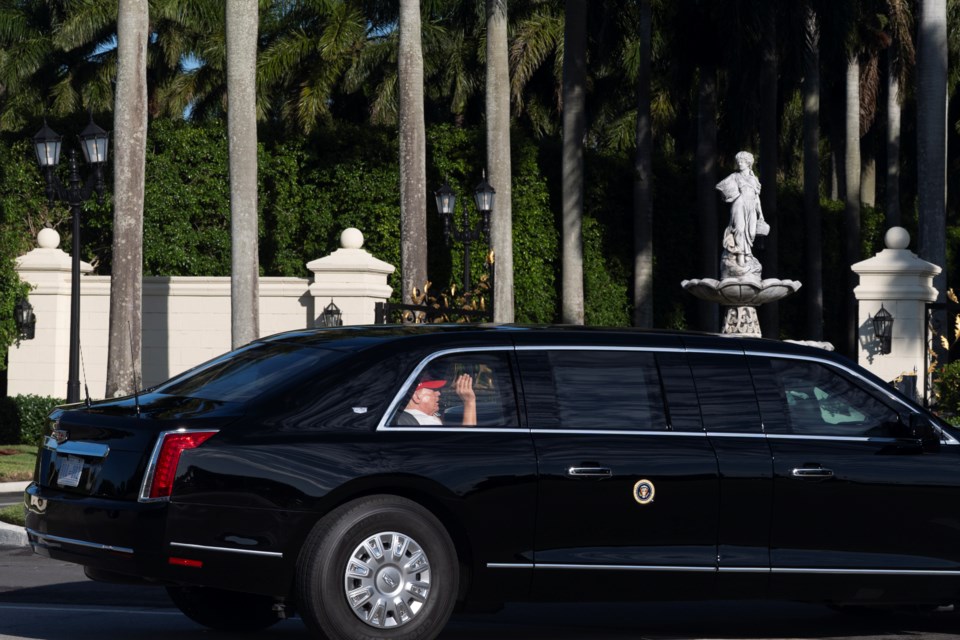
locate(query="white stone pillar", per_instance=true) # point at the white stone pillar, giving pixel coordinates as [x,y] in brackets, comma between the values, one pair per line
[903,284]
[40,366]
[352,278]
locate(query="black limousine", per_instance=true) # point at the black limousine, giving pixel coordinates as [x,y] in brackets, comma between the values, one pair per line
[373,479]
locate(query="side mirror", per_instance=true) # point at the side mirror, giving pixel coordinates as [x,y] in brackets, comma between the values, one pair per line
[924,432]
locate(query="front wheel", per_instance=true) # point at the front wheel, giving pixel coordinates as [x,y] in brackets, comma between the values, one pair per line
[224,610]
[377,568]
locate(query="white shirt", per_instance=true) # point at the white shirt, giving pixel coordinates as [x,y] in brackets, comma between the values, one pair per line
[423,418]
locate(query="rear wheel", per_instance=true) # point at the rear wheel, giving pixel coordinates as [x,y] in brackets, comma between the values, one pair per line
[378,568]
[224,610]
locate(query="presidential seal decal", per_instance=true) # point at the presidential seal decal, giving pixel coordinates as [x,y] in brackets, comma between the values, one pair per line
[643,491]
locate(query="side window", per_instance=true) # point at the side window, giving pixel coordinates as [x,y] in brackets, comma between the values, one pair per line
[594,390]
[728,401]
[821,401]
[464,389]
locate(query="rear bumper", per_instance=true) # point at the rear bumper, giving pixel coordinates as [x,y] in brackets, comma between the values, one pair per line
[113,535]
[162,542]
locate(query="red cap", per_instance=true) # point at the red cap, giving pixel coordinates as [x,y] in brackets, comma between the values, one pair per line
[430,384]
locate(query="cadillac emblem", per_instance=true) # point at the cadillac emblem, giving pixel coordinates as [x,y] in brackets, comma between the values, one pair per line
[643,492]
[60,435]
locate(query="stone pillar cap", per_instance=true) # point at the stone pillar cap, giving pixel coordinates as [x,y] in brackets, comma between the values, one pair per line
[896,258]
[48,256]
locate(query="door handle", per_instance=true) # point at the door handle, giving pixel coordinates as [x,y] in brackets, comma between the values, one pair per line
[812,472]
[589,472]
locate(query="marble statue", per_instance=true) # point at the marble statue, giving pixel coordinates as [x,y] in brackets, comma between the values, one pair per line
[742,190]
[741,287]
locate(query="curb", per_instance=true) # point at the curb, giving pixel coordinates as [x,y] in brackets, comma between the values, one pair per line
[12,535]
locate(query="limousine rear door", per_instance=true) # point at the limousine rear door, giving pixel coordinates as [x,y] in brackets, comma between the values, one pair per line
[862,509]
[627,507]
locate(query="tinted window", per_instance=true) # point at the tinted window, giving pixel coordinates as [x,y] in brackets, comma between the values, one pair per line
[491,380]
[728,402]
[595,390]
[248,372]
[821,401]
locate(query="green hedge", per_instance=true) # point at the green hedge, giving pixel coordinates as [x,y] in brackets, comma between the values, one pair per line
[23,418]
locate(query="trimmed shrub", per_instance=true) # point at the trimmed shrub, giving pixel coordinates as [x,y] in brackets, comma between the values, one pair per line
[33,411]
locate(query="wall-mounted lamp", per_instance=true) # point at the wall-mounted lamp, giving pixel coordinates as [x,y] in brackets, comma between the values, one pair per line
[883,329]
[331,316]
[25,319]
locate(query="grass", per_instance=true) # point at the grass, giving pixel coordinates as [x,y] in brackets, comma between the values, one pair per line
[12,515]
[17,462]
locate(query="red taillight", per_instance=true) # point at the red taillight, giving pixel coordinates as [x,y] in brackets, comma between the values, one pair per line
[185,562]
[166,466]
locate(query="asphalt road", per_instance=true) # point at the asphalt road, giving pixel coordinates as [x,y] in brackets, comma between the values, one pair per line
[43,599]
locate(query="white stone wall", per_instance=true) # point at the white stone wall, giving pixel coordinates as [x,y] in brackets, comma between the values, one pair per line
[186,320]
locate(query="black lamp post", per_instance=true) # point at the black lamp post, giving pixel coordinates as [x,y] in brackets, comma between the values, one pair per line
[446,206]
[25,319]
[331,316]
[93,142]
[883,329]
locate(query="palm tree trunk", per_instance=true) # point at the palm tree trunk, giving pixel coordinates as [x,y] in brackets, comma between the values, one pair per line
[498,158]
[643,183]
[242,21]
[413,149]
[769,313]
[932,146]
[130,143]
[707,312]
[851,209]
[893,146]
[813,280]
[574,128]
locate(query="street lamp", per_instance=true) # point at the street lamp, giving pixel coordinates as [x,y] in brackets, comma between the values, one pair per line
[446,206]
[93,142]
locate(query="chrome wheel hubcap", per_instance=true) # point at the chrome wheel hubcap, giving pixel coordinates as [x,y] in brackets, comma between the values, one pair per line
[387,580]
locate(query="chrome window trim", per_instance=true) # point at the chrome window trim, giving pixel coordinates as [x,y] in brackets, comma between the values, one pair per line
[947,439]
[398,398]
[147,483]
[77,448]
[42,538]
[619,432]
[706,569]
[246,552]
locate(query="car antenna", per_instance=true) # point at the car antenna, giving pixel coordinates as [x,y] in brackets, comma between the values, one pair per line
[86,389]
[136,383]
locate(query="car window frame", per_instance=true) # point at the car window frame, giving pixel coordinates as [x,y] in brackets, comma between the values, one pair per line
[407,386]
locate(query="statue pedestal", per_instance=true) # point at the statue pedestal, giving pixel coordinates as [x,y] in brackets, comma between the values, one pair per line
[741,321]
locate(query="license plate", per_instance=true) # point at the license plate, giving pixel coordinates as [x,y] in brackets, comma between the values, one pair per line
[70,472]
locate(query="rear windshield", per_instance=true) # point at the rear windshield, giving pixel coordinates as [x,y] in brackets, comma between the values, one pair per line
[248,372]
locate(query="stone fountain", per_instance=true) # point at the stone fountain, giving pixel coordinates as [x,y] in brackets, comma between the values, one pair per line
[741,289]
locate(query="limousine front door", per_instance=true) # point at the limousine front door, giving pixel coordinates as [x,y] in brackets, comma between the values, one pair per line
[862,511]
[624,505]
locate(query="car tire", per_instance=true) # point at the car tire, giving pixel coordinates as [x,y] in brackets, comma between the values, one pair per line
[382,567]
[224,610]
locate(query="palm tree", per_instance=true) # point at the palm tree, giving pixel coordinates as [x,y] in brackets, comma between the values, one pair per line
[851,209]
[813,280]
[769,314]
[574,130]
[498,158]
[931,142]
[413,173]
[241,31]
[901,57]
[643,181]
[130,142]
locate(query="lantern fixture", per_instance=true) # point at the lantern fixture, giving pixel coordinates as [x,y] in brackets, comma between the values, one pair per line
[94,142]
[47,145]
[25,319]
[331,316]
[883,329]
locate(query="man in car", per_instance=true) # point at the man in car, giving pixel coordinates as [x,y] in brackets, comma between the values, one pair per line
[424,405]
